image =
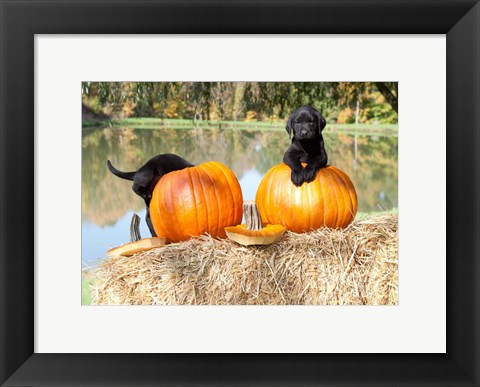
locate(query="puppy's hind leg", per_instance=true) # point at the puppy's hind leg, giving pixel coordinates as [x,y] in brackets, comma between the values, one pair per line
[149,223]
[148,219]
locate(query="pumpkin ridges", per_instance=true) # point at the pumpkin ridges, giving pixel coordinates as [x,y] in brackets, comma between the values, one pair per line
[229,182]
[153,205]
[235,191]
[347,197]
[233,201]
[328,200]
[278,202]
[333,202]
[181,196]
[190,193]
[305,210]
[350,192]
[160,199]
[353,195]
[193,195]
[265,209]
[321,198]
[213,216]
[328,185]
[291,198]
[269,198]
[237,194]
[216,206]
[320,188]
[309,213]
[290,215]
[206,212]
[339,203]
[169,195]
[259,192]
[172,194]
[348,201]
[163,202]
[314,202]
[238,213]
[298,208]
[274,202]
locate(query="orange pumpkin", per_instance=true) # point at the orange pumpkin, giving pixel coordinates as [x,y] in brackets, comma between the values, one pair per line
[330,200]
[196,200]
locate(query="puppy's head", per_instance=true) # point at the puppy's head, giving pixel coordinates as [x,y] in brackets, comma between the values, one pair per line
[305,123]
[142,183]
[142,191]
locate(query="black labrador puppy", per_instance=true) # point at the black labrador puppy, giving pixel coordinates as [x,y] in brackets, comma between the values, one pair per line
[145,177]
[305,126]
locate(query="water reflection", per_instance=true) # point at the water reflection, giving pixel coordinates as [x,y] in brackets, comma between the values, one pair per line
[108,202]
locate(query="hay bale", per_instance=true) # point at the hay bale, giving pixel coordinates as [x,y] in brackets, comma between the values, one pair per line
[354,266]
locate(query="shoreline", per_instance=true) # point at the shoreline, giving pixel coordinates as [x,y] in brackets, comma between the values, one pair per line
[156,123]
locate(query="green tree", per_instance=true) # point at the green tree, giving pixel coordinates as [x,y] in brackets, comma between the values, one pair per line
[237,100]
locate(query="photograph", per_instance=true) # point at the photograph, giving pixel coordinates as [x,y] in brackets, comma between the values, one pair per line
[239,193]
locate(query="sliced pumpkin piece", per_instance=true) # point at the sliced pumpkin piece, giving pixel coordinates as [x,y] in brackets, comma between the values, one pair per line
[139,246]
[253,233]
[266,236]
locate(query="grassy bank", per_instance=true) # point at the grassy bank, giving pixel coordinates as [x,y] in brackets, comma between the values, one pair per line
[87,282]
[366,215]
[155,123]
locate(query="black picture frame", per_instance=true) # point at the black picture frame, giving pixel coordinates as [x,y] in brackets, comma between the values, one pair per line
[21,20]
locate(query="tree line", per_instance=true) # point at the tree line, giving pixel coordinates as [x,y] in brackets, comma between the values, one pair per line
[339,102]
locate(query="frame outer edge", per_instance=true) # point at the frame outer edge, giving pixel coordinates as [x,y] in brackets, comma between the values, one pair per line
[16,346]
[3,351]
[16,200]
[463,177]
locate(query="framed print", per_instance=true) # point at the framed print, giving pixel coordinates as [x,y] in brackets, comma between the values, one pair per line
[29,355]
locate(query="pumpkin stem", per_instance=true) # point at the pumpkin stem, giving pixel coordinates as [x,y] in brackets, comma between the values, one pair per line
[135,229]
[252,216]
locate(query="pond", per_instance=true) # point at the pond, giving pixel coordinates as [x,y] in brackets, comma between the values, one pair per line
[108,202]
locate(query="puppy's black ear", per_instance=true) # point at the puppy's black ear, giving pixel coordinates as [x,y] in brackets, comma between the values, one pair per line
[289,127]
[321,122]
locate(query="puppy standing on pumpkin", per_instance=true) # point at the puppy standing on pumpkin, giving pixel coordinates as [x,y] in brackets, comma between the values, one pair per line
[305,126]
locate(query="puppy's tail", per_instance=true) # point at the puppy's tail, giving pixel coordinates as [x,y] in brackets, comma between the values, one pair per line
[116,172]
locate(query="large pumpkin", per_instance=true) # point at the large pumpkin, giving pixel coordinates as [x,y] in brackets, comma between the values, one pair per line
[196,200]
[330,200]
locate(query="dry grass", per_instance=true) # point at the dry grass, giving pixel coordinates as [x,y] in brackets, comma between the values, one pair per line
[354,266]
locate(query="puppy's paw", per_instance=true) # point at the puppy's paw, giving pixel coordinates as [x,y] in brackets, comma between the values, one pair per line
[309,174]
[297,177]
